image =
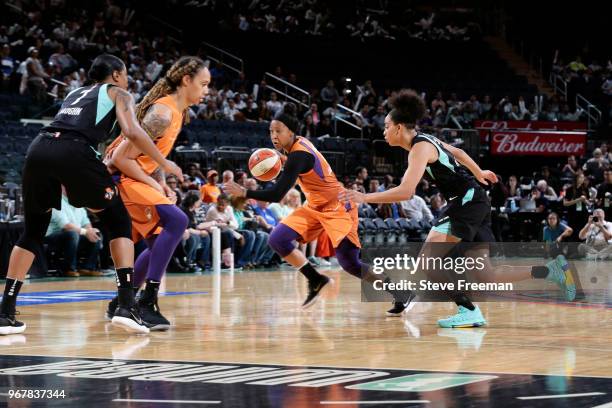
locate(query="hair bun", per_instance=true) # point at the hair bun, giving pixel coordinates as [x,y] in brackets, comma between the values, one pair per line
[290,109]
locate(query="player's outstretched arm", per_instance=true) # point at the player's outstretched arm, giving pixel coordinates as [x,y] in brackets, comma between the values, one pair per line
[483,176]
[417,161]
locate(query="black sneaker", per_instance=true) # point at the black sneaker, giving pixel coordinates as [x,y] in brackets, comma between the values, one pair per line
[110,310]
[315,290]
[152,317]
[128,318]
[8,325]
[400,307]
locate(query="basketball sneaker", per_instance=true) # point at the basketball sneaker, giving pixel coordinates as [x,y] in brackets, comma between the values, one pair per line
[9,325]
[464,318]
[560,273]
[152,317]
[128,318]
[400,307]
[110,310]
[315,290]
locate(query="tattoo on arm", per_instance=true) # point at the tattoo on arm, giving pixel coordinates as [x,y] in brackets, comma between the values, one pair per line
[159,175]
[156,121]
[124,99]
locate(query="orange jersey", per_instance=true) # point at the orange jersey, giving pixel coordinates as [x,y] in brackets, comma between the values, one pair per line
[319,185]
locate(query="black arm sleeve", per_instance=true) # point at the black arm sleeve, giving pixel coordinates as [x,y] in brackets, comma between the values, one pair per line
[297,163]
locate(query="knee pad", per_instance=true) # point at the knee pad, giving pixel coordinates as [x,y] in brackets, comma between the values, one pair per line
[281,240]
[116,218]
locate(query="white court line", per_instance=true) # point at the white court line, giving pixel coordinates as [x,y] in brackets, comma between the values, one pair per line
[166,401]
[374,402]
[538,397]
[606,405]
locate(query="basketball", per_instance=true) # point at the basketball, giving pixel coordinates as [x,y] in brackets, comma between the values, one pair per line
[265,164]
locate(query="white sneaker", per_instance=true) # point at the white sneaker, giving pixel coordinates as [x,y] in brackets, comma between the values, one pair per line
[323,262]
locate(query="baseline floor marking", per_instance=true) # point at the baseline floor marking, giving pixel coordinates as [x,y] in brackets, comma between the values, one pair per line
[538,397]
[606,405]
[166,401]
[374,402]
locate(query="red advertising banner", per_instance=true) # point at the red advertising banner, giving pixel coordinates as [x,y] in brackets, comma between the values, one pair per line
[484,126]
[525,143]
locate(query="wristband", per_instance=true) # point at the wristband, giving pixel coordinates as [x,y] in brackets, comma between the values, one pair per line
[83,231]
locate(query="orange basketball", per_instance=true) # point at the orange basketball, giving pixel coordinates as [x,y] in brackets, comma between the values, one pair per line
[265,164]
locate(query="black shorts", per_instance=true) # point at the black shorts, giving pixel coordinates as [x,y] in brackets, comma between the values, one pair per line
[467,217]
[68,160]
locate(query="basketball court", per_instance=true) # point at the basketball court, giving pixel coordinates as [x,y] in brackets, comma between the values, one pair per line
[241,340]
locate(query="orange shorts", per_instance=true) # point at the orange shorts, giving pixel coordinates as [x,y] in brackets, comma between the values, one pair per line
[140,200]
[338,223]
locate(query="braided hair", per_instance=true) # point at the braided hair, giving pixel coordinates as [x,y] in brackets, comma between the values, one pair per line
[169,83]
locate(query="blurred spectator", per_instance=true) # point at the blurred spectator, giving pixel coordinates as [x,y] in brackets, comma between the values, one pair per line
[604,194]
[210,192]
[274,105]
[329,93]
[546,191]
[598,235]
[595,166]
[35,76]
[69,233]
[416,209]
[221,212]
[576,201]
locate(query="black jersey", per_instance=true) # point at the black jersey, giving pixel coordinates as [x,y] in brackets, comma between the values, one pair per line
[446,173]
[88,111]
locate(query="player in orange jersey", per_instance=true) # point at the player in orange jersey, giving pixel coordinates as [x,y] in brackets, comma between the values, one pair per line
[142,184]
[322,212]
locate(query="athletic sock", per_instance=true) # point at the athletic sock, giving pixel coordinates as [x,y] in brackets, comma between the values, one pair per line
[539,272]
[125,278]
[9,299]
[150,292]
[310,273]
[463,300]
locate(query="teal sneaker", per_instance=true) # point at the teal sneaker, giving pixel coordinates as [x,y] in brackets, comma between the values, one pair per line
[464,318]
[560,273]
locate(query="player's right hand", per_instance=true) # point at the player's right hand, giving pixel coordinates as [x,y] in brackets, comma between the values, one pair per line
[351,195]
[171,167]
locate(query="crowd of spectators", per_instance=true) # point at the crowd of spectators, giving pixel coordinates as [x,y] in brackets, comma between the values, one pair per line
[361,20]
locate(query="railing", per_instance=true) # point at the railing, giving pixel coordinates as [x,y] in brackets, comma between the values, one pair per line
[559,84]
[341,117]
[237,64]
[593,114]
[279,83]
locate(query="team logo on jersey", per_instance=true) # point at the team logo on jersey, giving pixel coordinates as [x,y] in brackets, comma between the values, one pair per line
[109,193]
[148,213]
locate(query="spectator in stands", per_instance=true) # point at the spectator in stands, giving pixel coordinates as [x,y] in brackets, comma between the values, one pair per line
[274,105]
[260,251]
[576,65]
[598,235]
[576,201]
[595,166]
[308,128]
[416,209]
[265,114]
[604,194]
[325,127]
[570,169]
[198,233]
[555,230]
[172,183]
[222,212]
[287,205]
[361,175]
[35,77]
[7,64]
[227,176]
[210,192]
[393,210]
[425,190]
[387,180]
[486,108]
[64,61]
[69,232]
[546,191]
[541,202]
[250,111]
[230,111]
[241,178]
[194,173]
[437,204]
[374,185]
[266,217]
[329,93]
[313,112]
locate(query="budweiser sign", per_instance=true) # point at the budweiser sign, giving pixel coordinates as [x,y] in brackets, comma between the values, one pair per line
[538,143]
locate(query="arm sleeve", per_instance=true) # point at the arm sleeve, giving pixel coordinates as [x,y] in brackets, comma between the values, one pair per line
[297,163]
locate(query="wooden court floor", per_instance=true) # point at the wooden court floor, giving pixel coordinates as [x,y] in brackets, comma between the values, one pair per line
[255,319]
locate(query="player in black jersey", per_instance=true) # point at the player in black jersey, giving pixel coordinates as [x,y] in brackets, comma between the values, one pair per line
[467,217]
[64,153]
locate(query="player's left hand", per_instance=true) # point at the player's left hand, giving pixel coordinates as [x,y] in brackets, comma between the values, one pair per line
[351,195]
[234,189]
[487,176]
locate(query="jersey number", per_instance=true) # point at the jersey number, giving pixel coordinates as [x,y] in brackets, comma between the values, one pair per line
[83,94]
